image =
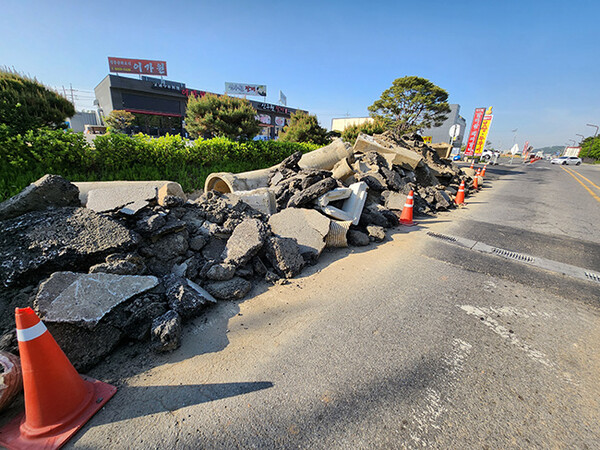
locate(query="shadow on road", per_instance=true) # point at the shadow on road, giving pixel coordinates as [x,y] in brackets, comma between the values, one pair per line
[137,401]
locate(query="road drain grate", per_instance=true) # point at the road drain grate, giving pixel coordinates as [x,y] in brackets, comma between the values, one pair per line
[513,255]
[593,276]
[441,236]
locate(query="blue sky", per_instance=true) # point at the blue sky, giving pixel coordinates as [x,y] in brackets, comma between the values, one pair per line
[536,62]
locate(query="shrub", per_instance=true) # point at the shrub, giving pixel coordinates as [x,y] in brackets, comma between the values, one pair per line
[119,120]
[376,126]
[304,127]
[25,158]
[221,116]
[26,104]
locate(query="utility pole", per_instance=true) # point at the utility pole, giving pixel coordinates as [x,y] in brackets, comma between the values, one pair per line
[72,97]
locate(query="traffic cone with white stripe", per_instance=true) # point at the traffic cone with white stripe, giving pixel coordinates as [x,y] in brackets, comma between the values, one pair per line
[483,171]
[476,181]
[58,401]
[406,218]
[472,164]
[460,196]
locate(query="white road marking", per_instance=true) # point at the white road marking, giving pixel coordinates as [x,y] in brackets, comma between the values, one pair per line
[505,311]
[504,332]
[428,418]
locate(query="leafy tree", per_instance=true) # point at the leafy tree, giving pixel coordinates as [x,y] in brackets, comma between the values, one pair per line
[305,127]
[590,148]
[26,104]
[411,104]
[371,127]
[221,116]
[119,120]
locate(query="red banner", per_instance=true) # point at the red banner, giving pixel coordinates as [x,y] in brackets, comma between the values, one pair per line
[525,148]
[137,66]
[475,126]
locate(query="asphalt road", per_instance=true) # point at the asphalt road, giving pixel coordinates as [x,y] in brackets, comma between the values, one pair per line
[416,342]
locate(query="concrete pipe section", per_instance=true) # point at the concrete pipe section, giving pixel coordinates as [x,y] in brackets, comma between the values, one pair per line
[226,182]
[324,158]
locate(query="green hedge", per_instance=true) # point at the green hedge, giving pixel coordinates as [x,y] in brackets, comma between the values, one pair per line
[25,158]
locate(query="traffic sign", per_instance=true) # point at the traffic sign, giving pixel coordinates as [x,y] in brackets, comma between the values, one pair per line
[454,131]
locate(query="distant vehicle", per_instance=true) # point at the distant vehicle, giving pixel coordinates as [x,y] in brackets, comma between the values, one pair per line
[456,158]
[566,160]
[490,156]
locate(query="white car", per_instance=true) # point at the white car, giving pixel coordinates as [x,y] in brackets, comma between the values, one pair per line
[566,160]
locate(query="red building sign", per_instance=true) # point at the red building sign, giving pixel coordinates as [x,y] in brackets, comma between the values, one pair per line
[137,66]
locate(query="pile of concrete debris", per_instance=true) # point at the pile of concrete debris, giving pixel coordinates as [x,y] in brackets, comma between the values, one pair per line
[106,262]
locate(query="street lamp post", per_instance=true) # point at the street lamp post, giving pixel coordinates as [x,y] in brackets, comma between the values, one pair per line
[595,134]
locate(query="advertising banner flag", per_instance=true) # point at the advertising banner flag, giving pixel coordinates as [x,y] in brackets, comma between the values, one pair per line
[475,126]
[246,89]
[137,66]
[483,132]
[282,98]
[526,149]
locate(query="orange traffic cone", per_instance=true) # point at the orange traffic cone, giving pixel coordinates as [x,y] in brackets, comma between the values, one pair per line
[472,164]
[58,401]
[460,196]
[406,218]
[476,181]
[483,171]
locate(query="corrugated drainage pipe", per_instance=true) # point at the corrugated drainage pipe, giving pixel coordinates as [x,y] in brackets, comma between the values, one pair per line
[11,381]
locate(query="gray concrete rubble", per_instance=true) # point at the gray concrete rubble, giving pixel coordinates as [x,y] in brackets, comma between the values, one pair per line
[233,289]
[261,199]
[40,242]
[125,199]
[397,154]
[376,233]
[284,255]
[245,242]
[185,296]
[151,259]
[47,192]
[307,226]
[84,299]
[357,238]
[166,332]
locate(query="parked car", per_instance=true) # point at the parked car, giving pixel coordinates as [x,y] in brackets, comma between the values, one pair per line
[456,158]
[566,160]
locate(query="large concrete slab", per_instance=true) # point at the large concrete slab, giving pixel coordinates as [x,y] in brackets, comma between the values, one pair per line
[48,191]
[40,242]
[307,226]
[86,186]
[84,299]
[127,199]
[395,154]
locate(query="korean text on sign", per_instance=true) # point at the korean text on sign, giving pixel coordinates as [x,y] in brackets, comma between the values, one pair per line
[137,66]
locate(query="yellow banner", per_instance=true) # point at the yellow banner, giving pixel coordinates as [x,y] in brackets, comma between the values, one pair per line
[427,139]
[483,132]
